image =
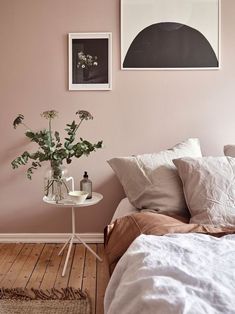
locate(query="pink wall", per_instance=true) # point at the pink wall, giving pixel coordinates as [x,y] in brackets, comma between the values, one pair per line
[145,111]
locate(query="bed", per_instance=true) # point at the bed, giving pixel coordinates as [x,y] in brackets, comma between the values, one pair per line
[176,252]
[160,264]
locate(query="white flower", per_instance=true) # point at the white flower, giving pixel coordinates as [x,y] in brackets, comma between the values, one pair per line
[83,66]
[95,63]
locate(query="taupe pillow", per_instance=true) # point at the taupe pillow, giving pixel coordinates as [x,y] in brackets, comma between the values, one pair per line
[151,181]
[209,189]
[229,150]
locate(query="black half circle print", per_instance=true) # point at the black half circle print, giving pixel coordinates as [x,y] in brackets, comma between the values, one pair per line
[170,45]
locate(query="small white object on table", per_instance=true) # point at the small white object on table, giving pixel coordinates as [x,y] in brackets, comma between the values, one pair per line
[96,198]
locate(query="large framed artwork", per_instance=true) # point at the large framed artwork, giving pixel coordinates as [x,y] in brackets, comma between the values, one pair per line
[170,34]
[90,61]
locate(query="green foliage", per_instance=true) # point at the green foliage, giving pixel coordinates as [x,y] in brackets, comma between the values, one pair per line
[51,148]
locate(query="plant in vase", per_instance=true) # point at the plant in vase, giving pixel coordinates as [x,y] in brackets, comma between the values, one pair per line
[52,149]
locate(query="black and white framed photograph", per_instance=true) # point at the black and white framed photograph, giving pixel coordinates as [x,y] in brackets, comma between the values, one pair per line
[170,35]
[90,61]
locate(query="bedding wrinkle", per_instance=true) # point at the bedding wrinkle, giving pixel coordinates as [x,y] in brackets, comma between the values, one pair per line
[208,184]
[175,273]
[126,229]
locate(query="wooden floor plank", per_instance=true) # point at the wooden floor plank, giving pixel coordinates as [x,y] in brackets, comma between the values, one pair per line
[49,278]
[89,278]
[40,268]
[3,247]
[102,280]
[11,275]
[6,249]
[77,270]
[60,281]
[28,267]
[10,255]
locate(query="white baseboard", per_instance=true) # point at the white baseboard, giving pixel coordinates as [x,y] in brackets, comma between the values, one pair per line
[48,237]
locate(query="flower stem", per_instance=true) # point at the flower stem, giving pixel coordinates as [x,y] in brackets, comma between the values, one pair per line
[26,126]
[50,136]
[78,126]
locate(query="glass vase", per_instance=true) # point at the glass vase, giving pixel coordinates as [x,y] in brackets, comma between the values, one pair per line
[55,184]
[86,74]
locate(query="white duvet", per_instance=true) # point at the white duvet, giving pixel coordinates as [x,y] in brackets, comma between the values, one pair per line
[171,274]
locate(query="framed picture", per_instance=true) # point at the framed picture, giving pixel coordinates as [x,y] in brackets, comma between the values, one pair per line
[170,34]
[90,61]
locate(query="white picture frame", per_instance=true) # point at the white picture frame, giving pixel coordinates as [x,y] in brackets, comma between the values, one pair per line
[141,17]
[90,61]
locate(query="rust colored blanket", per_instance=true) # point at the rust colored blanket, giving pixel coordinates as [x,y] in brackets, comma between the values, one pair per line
[120,234]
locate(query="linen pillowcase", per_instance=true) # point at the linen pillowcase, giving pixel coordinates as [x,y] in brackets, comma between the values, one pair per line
[229,150]
[209,189]
[151,181]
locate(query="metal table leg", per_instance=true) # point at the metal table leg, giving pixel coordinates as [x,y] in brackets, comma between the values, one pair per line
[87,246]
[70,242]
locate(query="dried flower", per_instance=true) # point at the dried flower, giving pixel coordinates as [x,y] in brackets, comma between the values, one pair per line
[18,120]
[50,114]
[86,61]
[83,114]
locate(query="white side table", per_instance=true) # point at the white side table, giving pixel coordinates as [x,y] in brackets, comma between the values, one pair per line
[96,198]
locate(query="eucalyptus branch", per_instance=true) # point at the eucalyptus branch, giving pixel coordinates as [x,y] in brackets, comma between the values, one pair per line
[30,170]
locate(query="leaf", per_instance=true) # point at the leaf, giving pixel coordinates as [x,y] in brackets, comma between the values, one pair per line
[34,166]
[99,144]
[57,136]
[68,160]
[72,138]
[66,144]
[30,134]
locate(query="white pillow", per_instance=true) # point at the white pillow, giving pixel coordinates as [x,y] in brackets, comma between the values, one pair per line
[209,189]
[151,181]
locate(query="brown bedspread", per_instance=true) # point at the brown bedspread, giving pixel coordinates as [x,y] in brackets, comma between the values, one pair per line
[120,234]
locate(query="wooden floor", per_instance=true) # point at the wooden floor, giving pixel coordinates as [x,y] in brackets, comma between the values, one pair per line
[39,266]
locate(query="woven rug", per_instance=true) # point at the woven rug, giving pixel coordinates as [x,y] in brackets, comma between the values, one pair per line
[64,301]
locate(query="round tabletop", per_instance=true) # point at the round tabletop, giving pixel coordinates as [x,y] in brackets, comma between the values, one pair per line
[96,198]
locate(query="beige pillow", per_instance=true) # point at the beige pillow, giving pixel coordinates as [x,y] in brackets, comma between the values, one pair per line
[151,181]
[209,189]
